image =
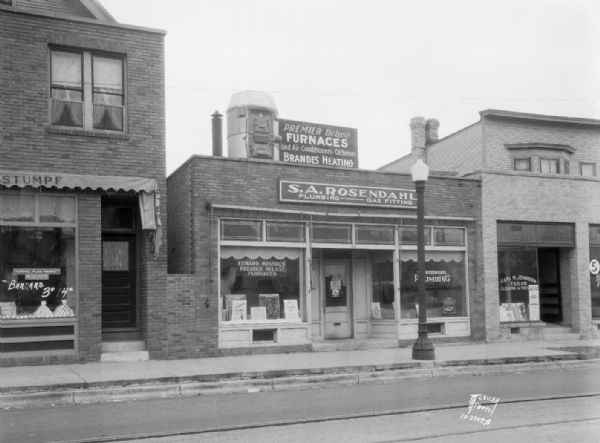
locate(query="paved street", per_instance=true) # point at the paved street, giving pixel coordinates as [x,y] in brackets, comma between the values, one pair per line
[375,412]
[574,420]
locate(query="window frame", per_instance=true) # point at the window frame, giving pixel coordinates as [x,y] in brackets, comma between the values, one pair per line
[87,88]
[592,164]
[515,160]
[555,160]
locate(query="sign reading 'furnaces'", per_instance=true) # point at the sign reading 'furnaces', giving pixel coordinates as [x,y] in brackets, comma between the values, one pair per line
[315,144]
[350,195]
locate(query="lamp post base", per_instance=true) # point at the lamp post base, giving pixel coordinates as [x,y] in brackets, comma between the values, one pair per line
[423,349]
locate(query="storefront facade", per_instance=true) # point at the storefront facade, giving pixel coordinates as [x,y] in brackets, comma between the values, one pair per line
[540,218]
[81,262]
[295,260]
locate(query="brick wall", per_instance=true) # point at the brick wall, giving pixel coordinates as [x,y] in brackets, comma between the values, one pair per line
[29,143]
[526,197]
[180,221]
[254,184]
[585,140]
[90,278]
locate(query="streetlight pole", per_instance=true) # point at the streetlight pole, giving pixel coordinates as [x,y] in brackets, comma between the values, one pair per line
[423,347]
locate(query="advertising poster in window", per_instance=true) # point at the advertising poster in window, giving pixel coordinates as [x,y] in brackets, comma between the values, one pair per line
[317,145]
[265,281]
[444,286]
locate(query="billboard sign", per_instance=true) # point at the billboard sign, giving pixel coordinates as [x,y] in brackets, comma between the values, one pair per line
[317,145]
[350,195]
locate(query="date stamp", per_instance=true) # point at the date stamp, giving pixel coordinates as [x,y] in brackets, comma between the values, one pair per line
[481,408]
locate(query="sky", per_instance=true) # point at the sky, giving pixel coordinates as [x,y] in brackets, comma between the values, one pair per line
[371,64]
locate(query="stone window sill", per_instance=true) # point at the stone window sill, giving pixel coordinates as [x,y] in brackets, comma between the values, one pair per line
[86,133]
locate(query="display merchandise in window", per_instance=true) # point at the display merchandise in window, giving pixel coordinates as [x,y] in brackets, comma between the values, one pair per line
[261,287]
[382,280]
[518,285]
[444,284]
[38,272]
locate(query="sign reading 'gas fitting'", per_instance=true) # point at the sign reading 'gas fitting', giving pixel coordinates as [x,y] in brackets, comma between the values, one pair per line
[319,145]
[351,195]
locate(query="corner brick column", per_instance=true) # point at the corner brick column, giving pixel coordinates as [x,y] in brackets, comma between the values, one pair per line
[581,300]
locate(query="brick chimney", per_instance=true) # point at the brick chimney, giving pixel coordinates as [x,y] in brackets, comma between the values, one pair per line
[431,131]
[417,134]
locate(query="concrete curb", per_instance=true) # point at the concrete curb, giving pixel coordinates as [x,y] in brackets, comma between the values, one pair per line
[270,381]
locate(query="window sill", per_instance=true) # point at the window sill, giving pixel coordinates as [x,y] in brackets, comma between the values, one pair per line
[87,133]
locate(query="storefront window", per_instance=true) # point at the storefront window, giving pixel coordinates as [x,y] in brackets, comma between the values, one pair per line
[285,232]
[259,284]
[382,278]
[250,230]
[17,208]
[449,236]
[518,284]
[38,272]
[324,233]
[445,284]
[408,235]
[375,235]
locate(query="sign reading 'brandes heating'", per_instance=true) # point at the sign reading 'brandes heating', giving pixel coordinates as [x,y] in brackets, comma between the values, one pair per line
[317,145]
[350,195]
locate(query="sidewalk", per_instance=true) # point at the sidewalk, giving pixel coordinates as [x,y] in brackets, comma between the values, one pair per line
[32,386]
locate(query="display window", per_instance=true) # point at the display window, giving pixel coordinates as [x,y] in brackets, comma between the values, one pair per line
[518,284]
[260,284]
[37,256]
[38,272]
[445,284]
[382,280]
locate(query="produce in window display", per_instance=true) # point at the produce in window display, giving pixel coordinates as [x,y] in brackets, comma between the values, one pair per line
[64,310]
[43,311]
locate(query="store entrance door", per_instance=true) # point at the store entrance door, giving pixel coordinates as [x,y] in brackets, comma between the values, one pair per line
[549,277]
[119,307]
[337,300]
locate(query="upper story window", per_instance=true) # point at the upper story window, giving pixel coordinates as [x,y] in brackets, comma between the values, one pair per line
[587,169]
[522,164]
[545,158]
[549,166]
[86,90]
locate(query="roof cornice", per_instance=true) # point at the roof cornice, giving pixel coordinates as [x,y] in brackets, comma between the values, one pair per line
[511,115]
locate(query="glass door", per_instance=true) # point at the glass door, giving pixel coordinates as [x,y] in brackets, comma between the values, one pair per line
[337,300]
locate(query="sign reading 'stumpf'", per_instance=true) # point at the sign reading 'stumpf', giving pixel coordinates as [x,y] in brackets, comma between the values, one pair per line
[350,195]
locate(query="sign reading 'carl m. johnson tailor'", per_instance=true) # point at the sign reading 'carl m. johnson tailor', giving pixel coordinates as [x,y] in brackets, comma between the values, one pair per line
[350,195]
[315,144]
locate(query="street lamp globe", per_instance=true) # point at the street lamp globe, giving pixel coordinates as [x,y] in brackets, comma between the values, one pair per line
[419,171]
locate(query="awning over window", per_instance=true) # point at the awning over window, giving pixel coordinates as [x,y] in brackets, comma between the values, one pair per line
[147,188]
[22,179]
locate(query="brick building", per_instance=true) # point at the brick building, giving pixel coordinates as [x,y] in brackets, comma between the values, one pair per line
[540,216]
[269,255]
[83,165]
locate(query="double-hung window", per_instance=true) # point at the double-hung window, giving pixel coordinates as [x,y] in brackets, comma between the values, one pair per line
[87,90]
[549,165]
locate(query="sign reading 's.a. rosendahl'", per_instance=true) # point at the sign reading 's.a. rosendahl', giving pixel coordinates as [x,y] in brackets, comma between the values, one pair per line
[349,195]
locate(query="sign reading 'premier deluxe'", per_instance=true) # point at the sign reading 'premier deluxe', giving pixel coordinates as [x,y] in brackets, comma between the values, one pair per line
[319,145]
[351,195]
